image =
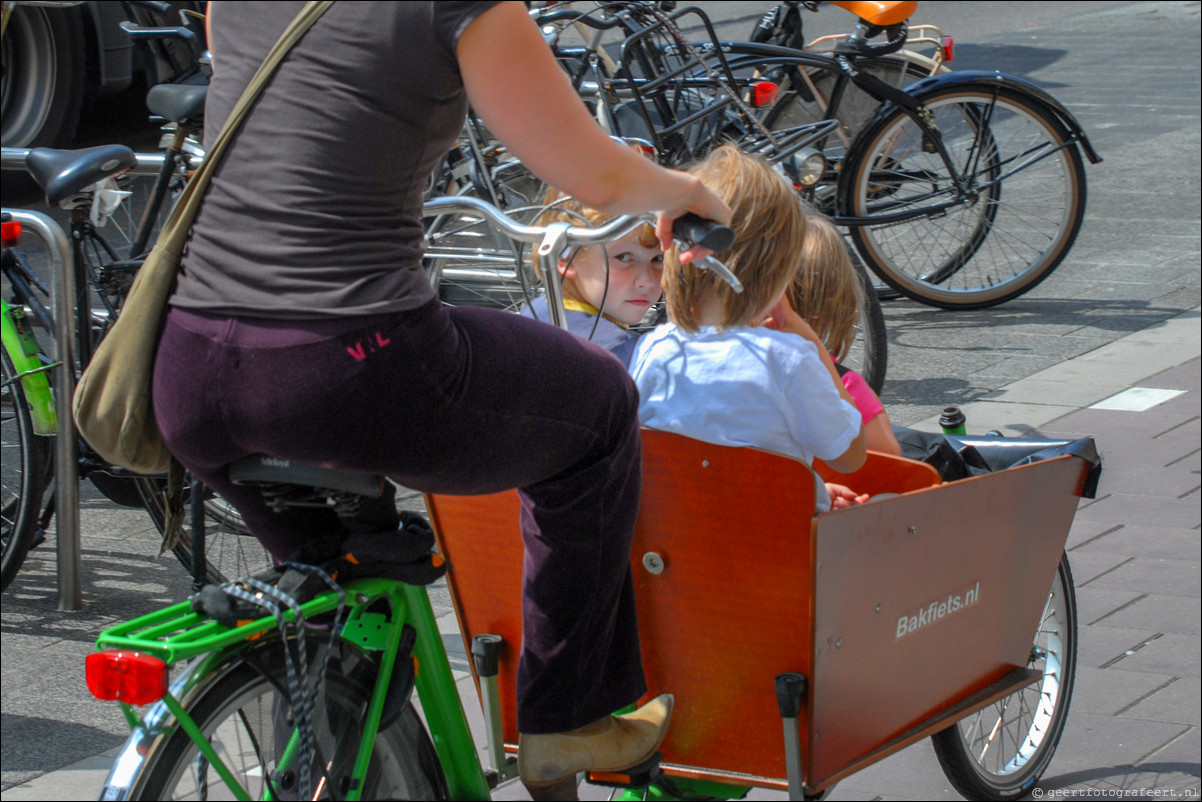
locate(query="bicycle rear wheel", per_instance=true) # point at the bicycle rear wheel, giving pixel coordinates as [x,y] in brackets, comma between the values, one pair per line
[809,102]
[245,714]
[1006,230]
[869,353]
[231,551]
[1003,750]
[24,472]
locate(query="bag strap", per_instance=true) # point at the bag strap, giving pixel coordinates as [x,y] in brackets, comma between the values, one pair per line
[178,226]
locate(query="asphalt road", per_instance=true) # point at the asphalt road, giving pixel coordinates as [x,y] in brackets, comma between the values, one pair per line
[1129,71]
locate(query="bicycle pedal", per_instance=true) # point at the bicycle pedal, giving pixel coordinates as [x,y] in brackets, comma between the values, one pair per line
[639,776]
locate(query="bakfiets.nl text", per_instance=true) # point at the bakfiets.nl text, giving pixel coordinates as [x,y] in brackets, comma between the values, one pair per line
[938,609]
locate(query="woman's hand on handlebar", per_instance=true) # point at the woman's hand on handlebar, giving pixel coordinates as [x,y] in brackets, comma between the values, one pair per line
[707,205]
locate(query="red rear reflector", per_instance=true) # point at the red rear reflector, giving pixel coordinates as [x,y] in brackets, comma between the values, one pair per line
[130,677]
[10,233]
[765,93]
[949,48]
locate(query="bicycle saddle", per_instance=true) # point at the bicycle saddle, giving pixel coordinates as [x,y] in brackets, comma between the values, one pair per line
[264,469]
[179,103]
[62,173]
[877,12]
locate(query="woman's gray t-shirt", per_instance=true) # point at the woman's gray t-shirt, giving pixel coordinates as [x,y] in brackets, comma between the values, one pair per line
[315,209]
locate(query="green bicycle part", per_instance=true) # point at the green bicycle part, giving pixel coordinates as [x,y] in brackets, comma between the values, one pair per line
[368,631]
[440,702]
[684,788]
[206,748]
[176,633]
[23,350]
[388,658]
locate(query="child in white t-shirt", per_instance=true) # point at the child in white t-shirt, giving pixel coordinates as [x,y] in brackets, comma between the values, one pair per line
[718,371]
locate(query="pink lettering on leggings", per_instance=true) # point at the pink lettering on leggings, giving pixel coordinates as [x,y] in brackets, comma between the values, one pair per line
[359,351]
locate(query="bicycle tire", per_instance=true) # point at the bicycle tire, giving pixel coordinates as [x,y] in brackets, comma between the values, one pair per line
[869,353]
[855,109]
[792,108]
[24,475]
[243,711]
[1021,214]
[231,551]
[1003,750]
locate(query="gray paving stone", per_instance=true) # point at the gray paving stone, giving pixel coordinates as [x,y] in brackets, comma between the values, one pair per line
[1169,482]
[1175,577]
[1086,531]
[1095,604]
[1166,613]
[1148,541]
[1106,745]
[1106,692]
[1170,513]
[1172,654]
[1101,646]
[1184,376]
[1176,702]
[1088,565]
[1181,755]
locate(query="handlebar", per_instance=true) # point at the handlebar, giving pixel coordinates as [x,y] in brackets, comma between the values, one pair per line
[688,229]
[553,239]
[572,236]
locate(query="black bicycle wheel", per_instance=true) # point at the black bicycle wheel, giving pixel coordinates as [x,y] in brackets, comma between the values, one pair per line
[1013,222]
[24,473]
[869,353]
[245,714]
[231,551]
[1003,750]
[808,102]
[806,95]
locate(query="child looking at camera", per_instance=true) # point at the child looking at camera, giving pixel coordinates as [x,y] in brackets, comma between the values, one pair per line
[718,371]
[606,289]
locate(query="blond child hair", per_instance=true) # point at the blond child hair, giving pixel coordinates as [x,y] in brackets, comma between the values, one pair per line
[769,226]
[827,292]
[561,208]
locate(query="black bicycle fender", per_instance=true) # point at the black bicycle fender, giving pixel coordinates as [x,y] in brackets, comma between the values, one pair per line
[1038,95]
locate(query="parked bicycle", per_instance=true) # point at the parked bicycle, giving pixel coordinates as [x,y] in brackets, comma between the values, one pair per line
[919,186]
[77,181]
[472,263]
[114,216]
[300,684]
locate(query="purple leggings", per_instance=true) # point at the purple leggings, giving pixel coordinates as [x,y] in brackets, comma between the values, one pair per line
[446,400]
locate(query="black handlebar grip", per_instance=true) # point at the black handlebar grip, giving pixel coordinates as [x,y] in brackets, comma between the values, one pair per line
[706,233]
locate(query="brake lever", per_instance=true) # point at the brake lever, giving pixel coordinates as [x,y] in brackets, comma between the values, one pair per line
[720,270]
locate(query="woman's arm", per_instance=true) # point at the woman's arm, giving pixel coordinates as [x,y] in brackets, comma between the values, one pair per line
[525,98]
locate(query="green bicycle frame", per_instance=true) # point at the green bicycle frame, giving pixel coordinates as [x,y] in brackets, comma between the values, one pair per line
[177,634]
[23,350]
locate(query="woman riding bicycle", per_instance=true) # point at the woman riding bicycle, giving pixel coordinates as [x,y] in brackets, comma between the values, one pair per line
[304,327]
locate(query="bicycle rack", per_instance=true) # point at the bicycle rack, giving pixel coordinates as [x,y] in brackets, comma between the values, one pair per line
[66,458]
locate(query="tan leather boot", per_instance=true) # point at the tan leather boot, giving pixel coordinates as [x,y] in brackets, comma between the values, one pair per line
[548,763]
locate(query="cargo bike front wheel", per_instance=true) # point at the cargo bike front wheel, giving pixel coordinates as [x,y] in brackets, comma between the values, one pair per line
[1002,751]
